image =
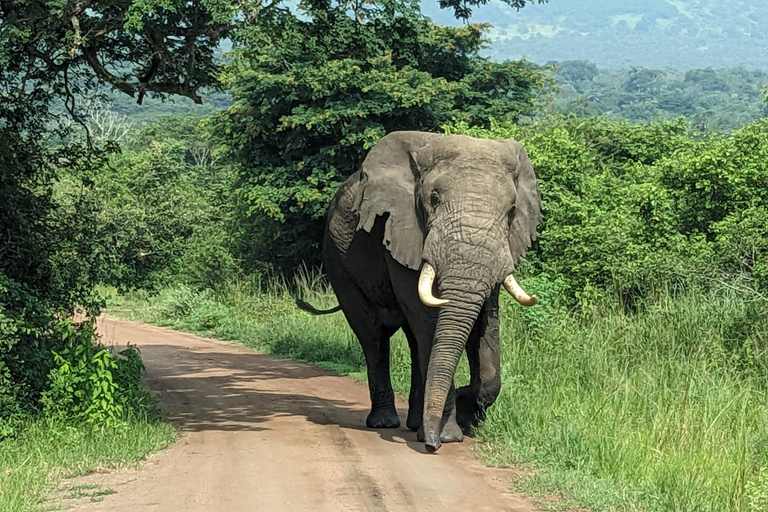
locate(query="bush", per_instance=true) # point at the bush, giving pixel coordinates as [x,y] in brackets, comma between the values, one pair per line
[92,384]
[59,368]
[207,261]
[633,208]
[27,335]
[163,209]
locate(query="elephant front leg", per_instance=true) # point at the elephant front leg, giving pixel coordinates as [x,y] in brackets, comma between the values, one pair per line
[416,395]
[484,357]
[383,413]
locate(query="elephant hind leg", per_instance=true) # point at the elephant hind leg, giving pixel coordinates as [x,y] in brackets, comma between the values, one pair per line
[483,353]
[376,349]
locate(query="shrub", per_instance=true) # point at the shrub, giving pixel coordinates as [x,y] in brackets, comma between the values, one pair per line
[91,383]
[639,207]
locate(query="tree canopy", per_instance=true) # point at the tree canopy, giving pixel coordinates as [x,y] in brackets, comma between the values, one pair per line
[314,89]
[136,46]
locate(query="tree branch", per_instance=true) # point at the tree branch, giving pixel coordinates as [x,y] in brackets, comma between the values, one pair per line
[180,89]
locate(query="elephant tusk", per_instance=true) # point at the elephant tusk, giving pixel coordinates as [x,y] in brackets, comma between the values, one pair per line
[426,280]
[515,290]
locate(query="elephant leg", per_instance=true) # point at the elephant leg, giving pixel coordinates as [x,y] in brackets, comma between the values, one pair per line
[484,357]
[383,412]
[375,342]
[365,320]
[416,395]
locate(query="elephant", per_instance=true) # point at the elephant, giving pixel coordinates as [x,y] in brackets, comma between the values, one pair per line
[422,238]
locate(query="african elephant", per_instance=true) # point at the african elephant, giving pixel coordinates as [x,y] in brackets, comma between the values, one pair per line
[431,216]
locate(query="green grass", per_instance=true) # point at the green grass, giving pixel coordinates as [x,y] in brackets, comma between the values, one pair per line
[33,463]
[663,409]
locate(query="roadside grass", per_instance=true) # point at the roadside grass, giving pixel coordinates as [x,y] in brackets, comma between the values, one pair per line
[43,453]
[661,409]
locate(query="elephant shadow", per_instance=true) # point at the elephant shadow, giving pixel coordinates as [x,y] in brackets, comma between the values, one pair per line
[217,388]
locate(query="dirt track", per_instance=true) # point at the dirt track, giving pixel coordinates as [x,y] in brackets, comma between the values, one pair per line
[265,434]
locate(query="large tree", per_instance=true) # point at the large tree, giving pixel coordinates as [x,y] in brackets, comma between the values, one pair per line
[314,88]
[53,53]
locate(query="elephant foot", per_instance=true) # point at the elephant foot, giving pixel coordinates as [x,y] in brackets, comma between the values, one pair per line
[383,418]
[451,433]
[468,412]
[413,421]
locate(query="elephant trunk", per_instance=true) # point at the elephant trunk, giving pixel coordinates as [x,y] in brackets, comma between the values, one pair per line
[454,323]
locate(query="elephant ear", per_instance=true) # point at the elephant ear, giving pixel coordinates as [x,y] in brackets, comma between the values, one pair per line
[523,229]
[388,180]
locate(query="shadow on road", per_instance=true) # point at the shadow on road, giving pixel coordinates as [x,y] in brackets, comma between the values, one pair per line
[207,389]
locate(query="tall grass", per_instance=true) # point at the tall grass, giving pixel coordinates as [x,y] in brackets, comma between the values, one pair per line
[661,409]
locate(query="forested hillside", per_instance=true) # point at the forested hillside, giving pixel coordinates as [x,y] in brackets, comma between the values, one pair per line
[718,100]
[678,34]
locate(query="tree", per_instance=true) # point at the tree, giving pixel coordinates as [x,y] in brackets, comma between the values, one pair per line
[136,46]
[313,90]
[52,53]
[462,8]
[577,72]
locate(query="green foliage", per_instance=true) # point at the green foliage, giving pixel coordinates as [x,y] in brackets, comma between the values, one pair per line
[712,179]
[54,249]
[91,384]
[28,335]
[135,46]
[718,100]
[633,207]
[162,205]
[313,91]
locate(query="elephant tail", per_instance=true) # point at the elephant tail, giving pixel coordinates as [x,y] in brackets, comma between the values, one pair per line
[309,308]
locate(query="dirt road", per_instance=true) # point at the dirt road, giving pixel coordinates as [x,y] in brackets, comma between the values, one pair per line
[265,434]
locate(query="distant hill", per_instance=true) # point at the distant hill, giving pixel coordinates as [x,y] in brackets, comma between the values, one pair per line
[719,100]
[678,34]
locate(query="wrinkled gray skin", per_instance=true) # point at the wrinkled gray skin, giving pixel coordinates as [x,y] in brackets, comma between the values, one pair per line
[468,207]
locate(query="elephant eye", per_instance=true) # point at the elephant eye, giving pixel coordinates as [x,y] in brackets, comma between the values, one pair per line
[512,212]
[434,199]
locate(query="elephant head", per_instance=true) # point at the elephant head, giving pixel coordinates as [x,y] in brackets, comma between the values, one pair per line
[463,211]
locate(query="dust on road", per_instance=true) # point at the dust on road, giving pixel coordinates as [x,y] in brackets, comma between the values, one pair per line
[266,434]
